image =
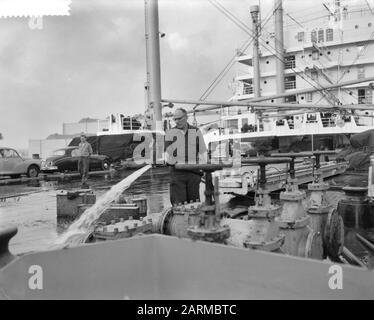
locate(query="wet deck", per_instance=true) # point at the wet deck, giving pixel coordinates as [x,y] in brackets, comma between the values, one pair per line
[32,206]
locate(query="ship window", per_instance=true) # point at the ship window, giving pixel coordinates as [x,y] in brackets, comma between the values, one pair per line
[360,72]
[311,117]
[247,89]
[314,75]
[289,62]
[321,35]
[361,96]
[245,126]
[315,55]
[231,124]
[290,99]
[313,36]
[290,82]
[365,96]
[300,36]
[309,97]
[329,34]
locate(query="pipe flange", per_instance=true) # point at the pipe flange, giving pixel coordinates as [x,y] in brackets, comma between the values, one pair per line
[314,246]
[219,234]
[164,221]
[334,235]
[264,212]
[272,245]
[296,224]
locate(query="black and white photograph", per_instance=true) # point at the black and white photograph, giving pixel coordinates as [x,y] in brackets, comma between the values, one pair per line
[186,155]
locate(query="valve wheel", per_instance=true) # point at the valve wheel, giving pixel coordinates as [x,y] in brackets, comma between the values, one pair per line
[334,235]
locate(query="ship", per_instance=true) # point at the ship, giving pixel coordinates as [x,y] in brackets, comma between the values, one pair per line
[311,90]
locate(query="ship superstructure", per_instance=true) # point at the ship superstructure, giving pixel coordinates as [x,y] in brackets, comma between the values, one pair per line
[332,46]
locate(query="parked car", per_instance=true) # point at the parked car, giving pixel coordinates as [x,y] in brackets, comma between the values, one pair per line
[66,159]
[12,164]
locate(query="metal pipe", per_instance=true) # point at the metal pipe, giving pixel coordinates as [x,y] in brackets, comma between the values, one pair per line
[216,198]
[250,102]
[348,255]
[279,47]
[154,61]
[365,243]
[256,51]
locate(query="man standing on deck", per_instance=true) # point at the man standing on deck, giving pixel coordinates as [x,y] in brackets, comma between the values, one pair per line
[85,150]
[189,148]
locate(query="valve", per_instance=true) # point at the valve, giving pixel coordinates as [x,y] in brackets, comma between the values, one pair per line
[300,239]
[207,226]
[323,218]
[264,231]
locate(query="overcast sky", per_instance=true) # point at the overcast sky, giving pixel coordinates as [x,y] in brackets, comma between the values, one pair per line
[92,63]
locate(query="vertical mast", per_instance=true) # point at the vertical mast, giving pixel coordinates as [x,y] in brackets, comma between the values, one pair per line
[153,61]
[279,47]
[256,54]
[146,85]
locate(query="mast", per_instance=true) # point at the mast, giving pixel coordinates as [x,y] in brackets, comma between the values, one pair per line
[256,52]
[279,47]
[153,62]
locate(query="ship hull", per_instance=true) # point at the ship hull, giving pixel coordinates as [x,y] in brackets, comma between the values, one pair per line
[162,267]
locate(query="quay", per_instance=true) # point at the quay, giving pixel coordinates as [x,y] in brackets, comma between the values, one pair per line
[54,177]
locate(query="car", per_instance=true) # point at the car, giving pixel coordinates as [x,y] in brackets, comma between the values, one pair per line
[13,165]
[66,159]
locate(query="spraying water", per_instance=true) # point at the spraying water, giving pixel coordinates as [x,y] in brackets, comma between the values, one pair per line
[80,229]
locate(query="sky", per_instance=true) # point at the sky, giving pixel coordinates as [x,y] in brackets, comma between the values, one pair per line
[92,63]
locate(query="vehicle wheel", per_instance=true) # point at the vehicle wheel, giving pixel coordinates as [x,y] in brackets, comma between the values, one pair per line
[105,165]
[33,171]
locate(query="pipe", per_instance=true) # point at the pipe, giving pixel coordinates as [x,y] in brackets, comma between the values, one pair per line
[348,255]
[365,243]
[250,102]
[216,198]
[279,47]
[153,44]
[256,51]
